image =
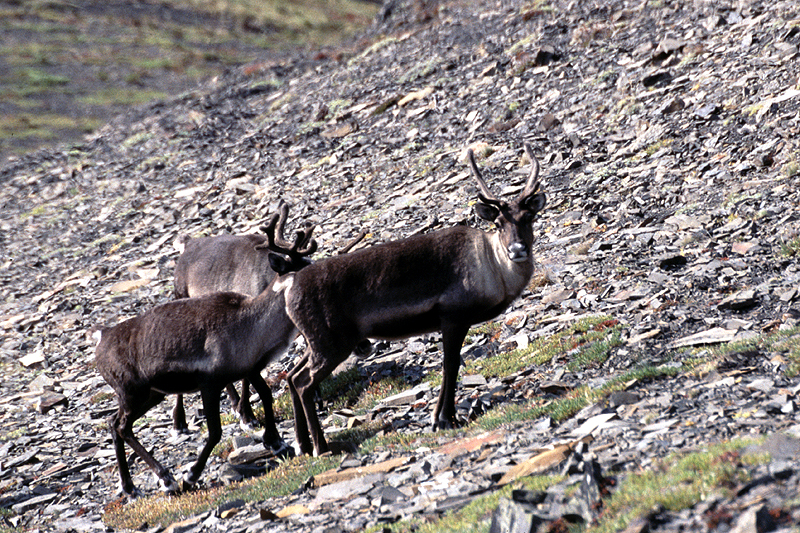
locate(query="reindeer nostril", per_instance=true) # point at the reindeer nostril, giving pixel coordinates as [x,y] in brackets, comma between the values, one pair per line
[517,252]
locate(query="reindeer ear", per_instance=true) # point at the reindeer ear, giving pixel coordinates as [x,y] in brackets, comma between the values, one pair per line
[536,202]
[279,263]
[486,211]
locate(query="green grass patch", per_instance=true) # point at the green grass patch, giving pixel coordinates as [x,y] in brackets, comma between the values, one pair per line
[11,435]
[39,210]
[348,389]
[95,61]
[656,146]
[586,343]
[489,328]
[137,138]
[38,79]
[791,168]
[373,48]
[562,408]
[791,248]
[342,389]
[785,342]
[101,397]
[26,125]
[121,96]
[678,482]
[300,21]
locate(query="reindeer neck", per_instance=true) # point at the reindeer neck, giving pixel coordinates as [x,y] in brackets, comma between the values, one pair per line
[515,276]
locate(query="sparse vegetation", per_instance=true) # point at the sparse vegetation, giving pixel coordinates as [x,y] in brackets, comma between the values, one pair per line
[658,145]
[791,168]
[98,63]
[101,397]
[678,482]
[11,435]
[164,510]
[791,248]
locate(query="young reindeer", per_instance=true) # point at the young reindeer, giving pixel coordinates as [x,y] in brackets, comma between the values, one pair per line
[198,344]
[444,281]
[235,263]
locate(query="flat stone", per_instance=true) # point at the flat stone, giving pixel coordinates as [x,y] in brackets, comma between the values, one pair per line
[764,385]
[248,454]
[711,336]
[33,503]
[473,380]
[538,464]
[406,397]
[741,300]
[593,424]
[338,476]
[344,490]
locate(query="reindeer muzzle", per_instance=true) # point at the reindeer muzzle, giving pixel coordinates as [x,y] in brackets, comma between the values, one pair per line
[518,252]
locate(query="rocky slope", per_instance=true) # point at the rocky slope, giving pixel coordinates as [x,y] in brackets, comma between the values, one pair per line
[667,133]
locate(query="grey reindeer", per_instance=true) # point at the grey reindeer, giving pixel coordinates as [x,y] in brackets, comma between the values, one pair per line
[198,344]
[236,263]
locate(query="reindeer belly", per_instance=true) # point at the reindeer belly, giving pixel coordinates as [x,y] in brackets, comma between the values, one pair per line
[401,322]
[176,383]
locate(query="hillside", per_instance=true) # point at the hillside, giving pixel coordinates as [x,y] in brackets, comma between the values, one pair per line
[66,68]
[667,133]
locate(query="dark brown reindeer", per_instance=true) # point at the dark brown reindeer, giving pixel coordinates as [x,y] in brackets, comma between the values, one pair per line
[198,344]
[444,281]
[235,263]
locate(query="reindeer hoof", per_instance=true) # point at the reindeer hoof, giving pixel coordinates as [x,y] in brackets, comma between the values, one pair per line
[280,449]
[248,425]
[168,485]
[131,492]
[188,482]
[445,424]
[176,432]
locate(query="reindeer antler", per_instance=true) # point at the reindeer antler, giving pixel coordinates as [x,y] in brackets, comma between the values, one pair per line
[532,185]
[303,244]
[283,211]
[485,195]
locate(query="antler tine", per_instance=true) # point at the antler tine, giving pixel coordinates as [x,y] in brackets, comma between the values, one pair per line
[269,229]
[277,221]
[310,248]
[303,244]
[308,245]
[283,210]
[485,194]
[303,240]
[532,185]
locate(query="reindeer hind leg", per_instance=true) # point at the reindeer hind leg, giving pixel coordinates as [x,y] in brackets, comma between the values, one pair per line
[272,437]
[300,420]
[179,424]
[132,407]
[210,397]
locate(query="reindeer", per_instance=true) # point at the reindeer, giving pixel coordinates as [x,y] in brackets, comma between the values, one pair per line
[444,281]
[236,263]
[199,344]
